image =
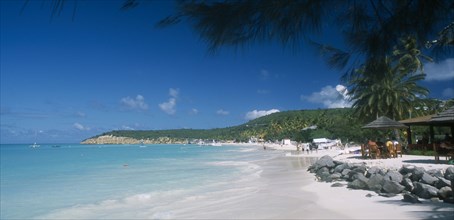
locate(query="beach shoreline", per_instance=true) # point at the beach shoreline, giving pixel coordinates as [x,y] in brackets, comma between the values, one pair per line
[343,203]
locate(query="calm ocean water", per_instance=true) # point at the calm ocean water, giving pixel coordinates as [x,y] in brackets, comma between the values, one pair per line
[119,181]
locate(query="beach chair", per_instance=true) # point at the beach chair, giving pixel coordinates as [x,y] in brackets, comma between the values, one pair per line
[398,149]
[374,152]
[391,149]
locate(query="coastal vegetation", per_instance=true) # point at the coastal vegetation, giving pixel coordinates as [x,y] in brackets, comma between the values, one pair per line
[297,125]
[300,125]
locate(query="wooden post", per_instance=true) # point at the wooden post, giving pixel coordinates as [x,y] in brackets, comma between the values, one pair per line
[409,135]
[432,135]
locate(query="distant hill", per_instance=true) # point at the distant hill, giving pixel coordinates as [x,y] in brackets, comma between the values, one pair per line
[329,123]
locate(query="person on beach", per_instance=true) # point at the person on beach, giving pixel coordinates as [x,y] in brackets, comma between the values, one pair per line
[306,148]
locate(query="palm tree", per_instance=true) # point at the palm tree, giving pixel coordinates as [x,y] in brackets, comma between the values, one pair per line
[390,87]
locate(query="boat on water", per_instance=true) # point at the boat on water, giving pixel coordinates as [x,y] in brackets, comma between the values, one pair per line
[216,144]
[141,144]
[34,145]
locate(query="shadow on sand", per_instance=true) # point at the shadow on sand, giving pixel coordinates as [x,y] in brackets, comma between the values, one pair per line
[426,161]
[356,157]
[432,210]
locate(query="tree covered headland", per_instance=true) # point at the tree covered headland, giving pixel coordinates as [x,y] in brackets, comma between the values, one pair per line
[297,125]
[300,125]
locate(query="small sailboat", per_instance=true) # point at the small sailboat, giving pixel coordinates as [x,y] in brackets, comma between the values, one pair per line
[34,145]
[141,144]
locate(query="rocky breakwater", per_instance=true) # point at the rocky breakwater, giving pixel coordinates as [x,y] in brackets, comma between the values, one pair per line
[410,181]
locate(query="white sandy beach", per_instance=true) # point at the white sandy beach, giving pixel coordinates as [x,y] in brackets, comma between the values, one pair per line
[353,204]
[285,190]
[290,192]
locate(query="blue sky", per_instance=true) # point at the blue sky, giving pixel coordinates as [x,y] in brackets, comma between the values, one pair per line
[65,80]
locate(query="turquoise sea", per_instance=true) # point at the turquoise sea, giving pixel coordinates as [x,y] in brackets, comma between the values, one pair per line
[121,181]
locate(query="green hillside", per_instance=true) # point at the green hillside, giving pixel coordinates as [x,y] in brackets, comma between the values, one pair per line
[330,123]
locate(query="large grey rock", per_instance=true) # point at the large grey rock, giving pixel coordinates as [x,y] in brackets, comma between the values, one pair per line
[449,173]
[428,179]
[394,176]
[373,170]
[425,191]
[406,169]
[323,174]
[445,192]
[354,175]
[346,174]
[353,166]
[390,186]
[339,168]
[360,169]
[408,175]
[357,184]
[442,182]
[325,161]
[375,182]
[435,172]
[337,185]
[335,176]
[417,173]
[410,198]
[408,184]
[360,182]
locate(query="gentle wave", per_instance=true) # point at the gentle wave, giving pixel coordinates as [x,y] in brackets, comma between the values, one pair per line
[172,204]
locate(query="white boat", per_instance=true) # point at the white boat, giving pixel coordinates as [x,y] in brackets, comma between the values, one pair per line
[216,144]
[34,145]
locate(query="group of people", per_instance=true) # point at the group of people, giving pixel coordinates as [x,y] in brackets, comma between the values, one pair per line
[384,148]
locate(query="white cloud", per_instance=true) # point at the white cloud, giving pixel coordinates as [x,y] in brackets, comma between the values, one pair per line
[174,92]
[80,127]
[169,106]
[448,93]
[222,112]
[443,70]
[125,127]
[137,103]
[330,97]
[259,113]
[194,111]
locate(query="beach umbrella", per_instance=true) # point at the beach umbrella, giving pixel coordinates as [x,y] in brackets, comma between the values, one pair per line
[384,122]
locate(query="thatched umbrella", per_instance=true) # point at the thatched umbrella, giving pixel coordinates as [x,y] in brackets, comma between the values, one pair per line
[446,116]
[384,122]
